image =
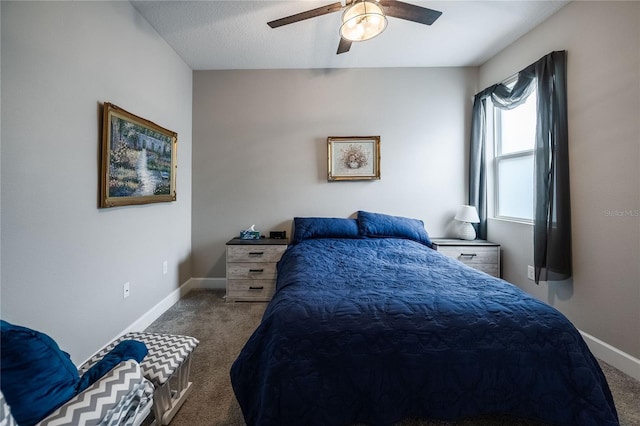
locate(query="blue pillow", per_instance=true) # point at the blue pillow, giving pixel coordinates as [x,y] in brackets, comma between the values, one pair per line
[35,375]
[125,350]
[386,226]
[323,227]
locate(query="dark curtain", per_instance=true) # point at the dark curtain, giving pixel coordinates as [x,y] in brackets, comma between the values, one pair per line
[477,171]
[552,219]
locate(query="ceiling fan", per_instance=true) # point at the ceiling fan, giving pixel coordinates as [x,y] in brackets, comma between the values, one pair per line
[364,19]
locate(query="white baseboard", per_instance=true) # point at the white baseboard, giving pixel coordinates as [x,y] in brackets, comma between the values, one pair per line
[602,350]
[613,356]
[154,313]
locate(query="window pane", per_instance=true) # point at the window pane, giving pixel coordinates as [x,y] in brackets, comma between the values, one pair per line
[518,127]
[515,187]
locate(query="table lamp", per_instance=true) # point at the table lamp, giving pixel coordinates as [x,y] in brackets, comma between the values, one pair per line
[467,215]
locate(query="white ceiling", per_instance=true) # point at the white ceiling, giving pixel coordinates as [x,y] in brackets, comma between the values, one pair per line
[215,34]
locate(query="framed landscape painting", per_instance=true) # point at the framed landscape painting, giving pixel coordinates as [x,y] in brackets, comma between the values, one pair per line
[353,158]
[138,160]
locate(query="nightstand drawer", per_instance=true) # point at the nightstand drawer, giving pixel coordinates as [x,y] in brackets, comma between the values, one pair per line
[252,268]
[489,268]
[472,256]
[255,253]
[250,290]
[479,254]
[251,271]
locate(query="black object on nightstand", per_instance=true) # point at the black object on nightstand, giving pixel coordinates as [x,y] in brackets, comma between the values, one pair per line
[278,235]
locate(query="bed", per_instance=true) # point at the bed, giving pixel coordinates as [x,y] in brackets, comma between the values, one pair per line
[370,325]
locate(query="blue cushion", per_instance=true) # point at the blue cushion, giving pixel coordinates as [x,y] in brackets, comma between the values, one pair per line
[386,226]
[323,227]
[35,375]
[125,350]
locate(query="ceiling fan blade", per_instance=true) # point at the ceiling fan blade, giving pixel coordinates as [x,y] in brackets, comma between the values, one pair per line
[343,46]
[330,8]
[410,12]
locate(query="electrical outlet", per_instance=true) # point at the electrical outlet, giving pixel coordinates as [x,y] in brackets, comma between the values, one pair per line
[125,290]
[165,267]
[531,273]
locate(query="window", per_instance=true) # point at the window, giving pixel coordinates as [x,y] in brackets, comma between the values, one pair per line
[514,141]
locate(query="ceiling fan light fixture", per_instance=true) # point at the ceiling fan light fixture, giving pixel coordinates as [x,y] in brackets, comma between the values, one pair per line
[362,21]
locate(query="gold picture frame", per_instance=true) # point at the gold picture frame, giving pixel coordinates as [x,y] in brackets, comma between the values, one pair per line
[353,158]
[139,160]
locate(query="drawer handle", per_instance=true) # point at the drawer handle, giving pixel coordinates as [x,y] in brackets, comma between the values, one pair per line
[468,255]
[256,253]
[256,270]
[256,288]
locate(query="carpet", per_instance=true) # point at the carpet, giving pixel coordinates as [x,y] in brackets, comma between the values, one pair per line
[223,328]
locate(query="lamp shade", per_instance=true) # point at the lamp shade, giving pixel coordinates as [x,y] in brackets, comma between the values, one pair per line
[467,214]
[362,21]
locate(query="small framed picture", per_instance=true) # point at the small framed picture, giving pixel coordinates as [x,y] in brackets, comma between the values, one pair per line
[353,158]
[138,160]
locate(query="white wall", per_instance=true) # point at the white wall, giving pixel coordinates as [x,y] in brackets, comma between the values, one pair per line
[603,44]
[260,148]
[64,260]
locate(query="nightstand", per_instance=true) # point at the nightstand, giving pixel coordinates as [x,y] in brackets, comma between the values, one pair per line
[251,268]
[479,254]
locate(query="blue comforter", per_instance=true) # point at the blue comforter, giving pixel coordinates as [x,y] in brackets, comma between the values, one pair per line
[377,330]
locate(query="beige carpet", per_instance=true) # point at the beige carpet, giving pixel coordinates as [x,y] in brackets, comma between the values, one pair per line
[223,328]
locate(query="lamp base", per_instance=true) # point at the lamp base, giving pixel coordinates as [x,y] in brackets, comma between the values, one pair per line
[466,231]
